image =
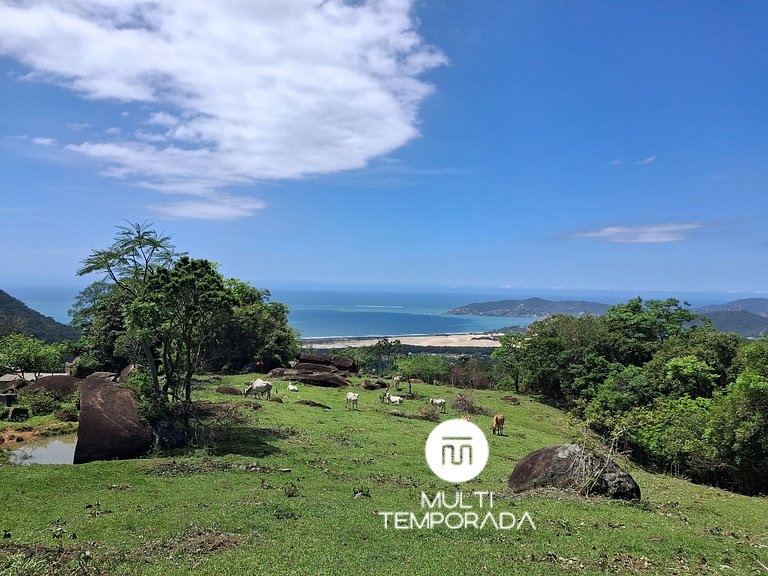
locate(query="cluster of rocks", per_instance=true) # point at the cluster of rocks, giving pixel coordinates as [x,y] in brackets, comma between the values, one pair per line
[318,370]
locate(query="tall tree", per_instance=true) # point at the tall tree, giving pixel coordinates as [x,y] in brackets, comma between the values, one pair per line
[137,252]
[179,307]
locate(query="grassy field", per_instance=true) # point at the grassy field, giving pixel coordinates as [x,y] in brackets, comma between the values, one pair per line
[296,489]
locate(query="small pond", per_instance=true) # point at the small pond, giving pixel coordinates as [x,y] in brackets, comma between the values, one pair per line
[46,450]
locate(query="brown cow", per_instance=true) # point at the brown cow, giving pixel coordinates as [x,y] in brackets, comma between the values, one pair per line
[497,425]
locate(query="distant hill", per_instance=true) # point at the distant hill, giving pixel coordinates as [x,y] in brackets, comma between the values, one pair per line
[744,323]
[757,306]
[531,307]
[15,316]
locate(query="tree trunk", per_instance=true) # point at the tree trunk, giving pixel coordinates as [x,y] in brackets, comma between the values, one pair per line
[151,363]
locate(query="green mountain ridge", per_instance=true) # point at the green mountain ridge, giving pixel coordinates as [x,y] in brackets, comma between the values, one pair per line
[747,317]
[530,307]
[15,316]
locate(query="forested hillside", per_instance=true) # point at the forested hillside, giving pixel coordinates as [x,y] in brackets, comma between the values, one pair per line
[15,316]
[677,396]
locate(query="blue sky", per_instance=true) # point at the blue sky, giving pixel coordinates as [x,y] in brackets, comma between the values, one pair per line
[443,143]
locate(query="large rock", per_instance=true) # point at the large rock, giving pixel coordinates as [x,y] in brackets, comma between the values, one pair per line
[11,383]
[110,427]
[326,380]
[57,385]
[126,373]
[108,376]
[570,466]
[309,367]
[344,363]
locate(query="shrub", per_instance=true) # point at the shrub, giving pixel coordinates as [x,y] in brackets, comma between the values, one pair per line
[153,405]
[43,402]
[67,414]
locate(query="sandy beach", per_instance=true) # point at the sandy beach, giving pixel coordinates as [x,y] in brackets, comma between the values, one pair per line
[474,340]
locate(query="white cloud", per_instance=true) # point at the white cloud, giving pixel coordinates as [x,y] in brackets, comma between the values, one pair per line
[616,163]
[646,161]
[235,92]
[223,207]
[642,234]
[44,141]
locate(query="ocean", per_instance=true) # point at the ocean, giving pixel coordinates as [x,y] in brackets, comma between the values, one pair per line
[330,313]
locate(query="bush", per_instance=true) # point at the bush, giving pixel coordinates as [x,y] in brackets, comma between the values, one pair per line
[153,405]
[41,403]
[67,414]
[85,366]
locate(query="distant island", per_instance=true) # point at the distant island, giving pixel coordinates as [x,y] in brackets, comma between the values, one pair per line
[531,307]
[747,317]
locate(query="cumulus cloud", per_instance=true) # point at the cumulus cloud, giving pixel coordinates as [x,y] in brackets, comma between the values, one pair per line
[642,234]
[233,92]
[646,161]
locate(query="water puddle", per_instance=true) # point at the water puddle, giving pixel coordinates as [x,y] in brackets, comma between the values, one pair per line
[47,450]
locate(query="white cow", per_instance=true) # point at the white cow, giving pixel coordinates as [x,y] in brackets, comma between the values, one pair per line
[352,399]
[439,402]
[293,388]
[259,387]
[394,399]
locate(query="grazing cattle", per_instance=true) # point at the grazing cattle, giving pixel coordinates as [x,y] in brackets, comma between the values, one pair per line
[259,387]
[439,402]
[293,388]
[497,425]
[465,418]
[352,399]
[394,399]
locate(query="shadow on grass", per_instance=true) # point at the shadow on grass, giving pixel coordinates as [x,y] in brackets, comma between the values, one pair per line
[246,441]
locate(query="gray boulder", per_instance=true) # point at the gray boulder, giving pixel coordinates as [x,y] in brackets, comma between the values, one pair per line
[325,379]
[569,466]
[58,385]
[108,376]
[110,426]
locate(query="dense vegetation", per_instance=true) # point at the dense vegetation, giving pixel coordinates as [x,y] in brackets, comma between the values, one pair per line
[173,316]
[17,318]
[679,397]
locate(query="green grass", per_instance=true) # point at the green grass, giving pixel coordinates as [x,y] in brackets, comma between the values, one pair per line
[276,495]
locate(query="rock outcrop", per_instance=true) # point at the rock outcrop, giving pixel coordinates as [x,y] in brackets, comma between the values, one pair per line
[57,385]
[343,363]
[326,376]
[569,466]
[110,426]
[108,376]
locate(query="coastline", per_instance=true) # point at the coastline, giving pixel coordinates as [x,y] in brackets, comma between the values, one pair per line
[476,340]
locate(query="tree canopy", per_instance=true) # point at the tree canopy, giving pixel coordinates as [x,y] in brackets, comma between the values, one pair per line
[174,315]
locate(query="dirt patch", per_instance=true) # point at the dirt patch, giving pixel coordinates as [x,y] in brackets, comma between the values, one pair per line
[194,541]
[175,468]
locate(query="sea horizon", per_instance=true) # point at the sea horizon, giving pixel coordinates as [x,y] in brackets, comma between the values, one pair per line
[325,312]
